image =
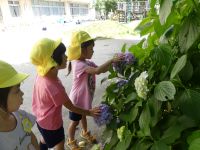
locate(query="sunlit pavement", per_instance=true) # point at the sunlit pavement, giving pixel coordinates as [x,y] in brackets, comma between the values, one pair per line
[15,48]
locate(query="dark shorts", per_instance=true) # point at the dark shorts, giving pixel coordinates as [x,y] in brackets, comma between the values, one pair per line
[52,137]
[74,116]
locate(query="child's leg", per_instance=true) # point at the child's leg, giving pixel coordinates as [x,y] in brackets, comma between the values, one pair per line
[60,146]
[84,124]
[42,144]
[72,129]
[85,133]
[71,142]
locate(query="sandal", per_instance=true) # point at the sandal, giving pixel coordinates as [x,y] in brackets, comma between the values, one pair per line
[87,136]
[73,145]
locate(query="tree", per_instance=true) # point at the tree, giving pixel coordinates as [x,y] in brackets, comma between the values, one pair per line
[106,6]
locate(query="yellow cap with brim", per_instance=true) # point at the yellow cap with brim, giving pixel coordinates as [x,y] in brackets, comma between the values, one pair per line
[74,49]
[9,76]
[41,55]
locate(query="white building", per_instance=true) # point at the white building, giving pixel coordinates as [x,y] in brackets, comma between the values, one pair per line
[12,11]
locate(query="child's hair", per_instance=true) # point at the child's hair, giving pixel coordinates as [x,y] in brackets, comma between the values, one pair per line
[84,45]
[58,53]
[3,97]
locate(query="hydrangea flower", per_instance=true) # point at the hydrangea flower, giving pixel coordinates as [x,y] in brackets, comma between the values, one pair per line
[121,132]
[129,59]
[105,116]
[141,85]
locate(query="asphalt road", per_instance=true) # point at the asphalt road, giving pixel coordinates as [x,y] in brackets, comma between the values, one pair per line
[103,50]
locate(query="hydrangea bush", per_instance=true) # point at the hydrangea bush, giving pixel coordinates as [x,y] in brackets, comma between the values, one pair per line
[156,101]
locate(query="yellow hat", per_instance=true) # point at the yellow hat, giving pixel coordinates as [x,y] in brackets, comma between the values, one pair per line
[41,55]
[9,76]
[74,49]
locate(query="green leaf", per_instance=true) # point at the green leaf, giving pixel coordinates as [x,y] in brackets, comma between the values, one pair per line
[141,144]
[178,66]
[165,10]
[159,145]
[113,141]
[162,54]
[145,26]
[152,3]
[187,72]
[123,48]
[144,120]
[171,134]
[164,91]
[169,31]
[130,97]
[159,29]
[195,145]
[130,115]
[194,135]
[189,32]
[189,103]
[126,142]
[154,107]
[175,128]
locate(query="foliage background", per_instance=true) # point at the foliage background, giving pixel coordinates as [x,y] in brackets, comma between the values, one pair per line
[169,117]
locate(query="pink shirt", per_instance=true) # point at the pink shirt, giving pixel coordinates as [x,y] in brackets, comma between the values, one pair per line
[48,98]
[83,84]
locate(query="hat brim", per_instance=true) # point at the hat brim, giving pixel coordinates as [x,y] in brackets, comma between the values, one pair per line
[15,80]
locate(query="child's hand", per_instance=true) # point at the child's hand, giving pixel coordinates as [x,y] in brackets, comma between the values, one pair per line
[117,58]
[94,112]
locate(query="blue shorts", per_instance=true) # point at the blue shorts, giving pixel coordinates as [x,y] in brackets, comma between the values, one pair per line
[74,116]
[52,137]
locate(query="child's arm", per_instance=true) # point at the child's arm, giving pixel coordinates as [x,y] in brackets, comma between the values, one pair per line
[92,112]
[104,67]
[34,141]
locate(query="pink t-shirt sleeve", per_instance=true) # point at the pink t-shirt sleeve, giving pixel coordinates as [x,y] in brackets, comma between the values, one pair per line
[80,67]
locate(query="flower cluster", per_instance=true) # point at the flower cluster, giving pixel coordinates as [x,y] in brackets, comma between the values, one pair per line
[105,116]
[129,59]
[121,133]
[141,85]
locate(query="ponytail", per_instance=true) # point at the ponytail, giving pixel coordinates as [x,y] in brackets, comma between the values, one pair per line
[69,68]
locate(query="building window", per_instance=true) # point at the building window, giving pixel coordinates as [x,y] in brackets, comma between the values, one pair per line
[14,8]
[41,7]
[79,9]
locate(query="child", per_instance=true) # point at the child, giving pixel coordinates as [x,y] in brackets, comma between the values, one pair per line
[49,94]
[83,83]
[15,124]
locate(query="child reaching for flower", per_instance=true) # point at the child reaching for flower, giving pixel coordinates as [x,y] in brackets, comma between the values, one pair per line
[49,94]
[83,82]
[15,124]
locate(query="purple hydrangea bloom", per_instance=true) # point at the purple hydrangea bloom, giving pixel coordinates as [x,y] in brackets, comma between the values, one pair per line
[121,83]
[105,116]
[129,59]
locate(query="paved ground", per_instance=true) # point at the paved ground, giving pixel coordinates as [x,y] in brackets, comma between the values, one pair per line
[104,49]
